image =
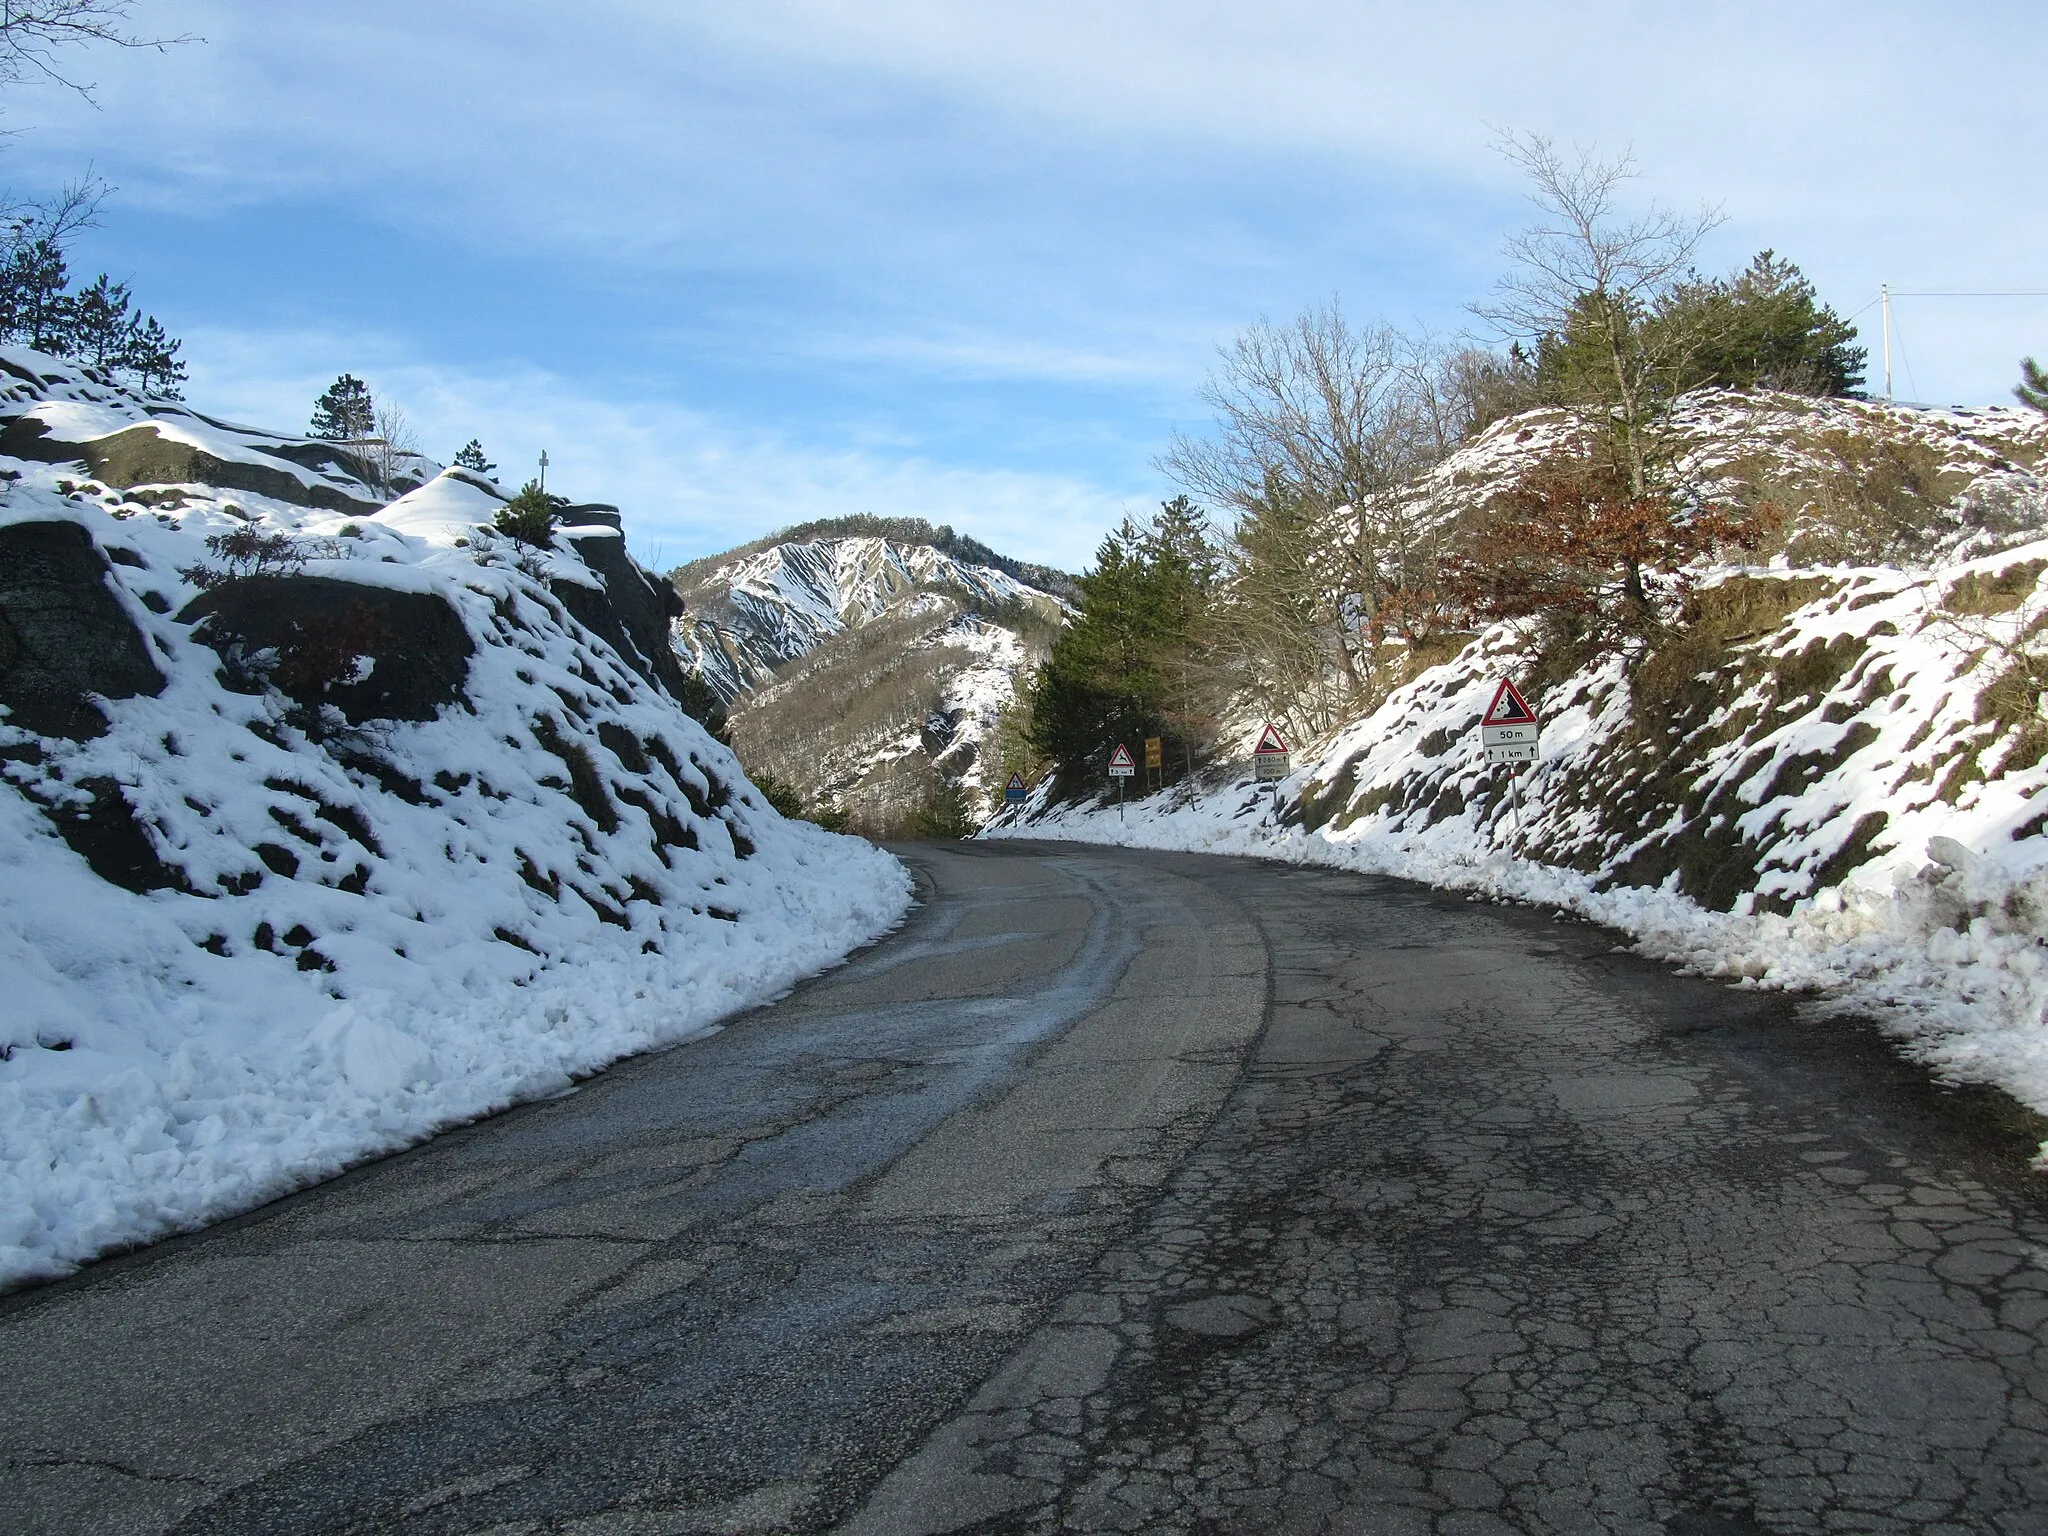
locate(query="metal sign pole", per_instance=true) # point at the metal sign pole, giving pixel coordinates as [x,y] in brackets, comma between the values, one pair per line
[1270,762]
[1508,733]
[1121,767]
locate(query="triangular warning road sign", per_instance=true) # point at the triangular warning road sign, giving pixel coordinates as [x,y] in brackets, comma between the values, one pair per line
[1016,781]
[1508,707]
[1121,757]
[1270,742]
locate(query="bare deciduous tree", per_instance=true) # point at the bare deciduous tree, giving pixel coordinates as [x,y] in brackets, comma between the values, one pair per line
[387,451]
[1587,274]
[1321,427]
[1312,400]
[34,32]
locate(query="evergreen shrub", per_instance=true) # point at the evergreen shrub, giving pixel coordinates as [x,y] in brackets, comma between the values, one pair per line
[530,517]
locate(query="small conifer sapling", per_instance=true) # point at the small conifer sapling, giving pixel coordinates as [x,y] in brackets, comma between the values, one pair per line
[2032,388]
[530,517]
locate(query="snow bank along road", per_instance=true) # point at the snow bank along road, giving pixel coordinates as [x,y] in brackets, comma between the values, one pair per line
[1118,1191]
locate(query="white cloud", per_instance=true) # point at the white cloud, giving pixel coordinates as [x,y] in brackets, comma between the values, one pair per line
[1074,192]
[596,131]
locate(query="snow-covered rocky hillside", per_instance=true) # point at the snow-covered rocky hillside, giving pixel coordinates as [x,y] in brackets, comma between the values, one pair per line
[1829,776]
[753,612]
[328,823]
[863,671]
[57,412]
[1949,481]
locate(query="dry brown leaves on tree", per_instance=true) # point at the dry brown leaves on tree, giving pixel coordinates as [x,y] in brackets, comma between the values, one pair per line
[1570,540]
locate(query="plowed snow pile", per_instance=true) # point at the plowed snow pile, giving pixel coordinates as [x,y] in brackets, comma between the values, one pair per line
[365,830]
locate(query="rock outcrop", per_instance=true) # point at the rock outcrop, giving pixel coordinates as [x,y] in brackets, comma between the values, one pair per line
[65,639]
[372,653]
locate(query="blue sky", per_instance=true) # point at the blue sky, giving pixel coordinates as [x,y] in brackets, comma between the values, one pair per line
[739,265]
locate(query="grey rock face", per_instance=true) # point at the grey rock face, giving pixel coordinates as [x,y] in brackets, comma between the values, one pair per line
[105,832]
[64,638]
[420,648]
[634,612]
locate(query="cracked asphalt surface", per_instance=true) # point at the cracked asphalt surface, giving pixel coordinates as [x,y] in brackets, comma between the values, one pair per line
[1118,1191]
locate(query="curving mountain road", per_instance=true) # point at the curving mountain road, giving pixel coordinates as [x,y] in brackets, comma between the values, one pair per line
[1117,1192]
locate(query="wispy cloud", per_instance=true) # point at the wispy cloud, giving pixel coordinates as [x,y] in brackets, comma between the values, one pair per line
[806,252]
[688,483]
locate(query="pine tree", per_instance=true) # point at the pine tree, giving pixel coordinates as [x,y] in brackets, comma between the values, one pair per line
[346,412]
[531,516]
[1186,567]
[152,356]
[1179,538]
[471,456]
[98,325]
[1761,329]
[102,329]
[2032,388]
[1088,693]
[34,308]
[1128,667]
[1286,621]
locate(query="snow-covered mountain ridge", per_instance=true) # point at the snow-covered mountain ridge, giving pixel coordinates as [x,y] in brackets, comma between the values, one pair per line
[748,616]
[324,826]
[866,672]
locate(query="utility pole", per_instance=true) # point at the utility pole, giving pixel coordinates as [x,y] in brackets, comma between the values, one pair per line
[1884,293]
[544,452]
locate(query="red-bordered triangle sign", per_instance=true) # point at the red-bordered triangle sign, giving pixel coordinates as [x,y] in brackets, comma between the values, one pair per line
[1508,707]
[1270,742]
[1016,781]
[1121,757]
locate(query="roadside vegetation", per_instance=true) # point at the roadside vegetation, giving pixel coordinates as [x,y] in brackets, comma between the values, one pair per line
[1317,560]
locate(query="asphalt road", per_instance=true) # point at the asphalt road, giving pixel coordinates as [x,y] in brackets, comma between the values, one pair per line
[1116,1192]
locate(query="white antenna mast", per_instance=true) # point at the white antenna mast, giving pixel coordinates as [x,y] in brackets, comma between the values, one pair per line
[1884,293]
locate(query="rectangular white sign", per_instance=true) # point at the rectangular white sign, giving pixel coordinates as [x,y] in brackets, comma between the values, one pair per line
[1507,735]
[1512,752]
[1125,771]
